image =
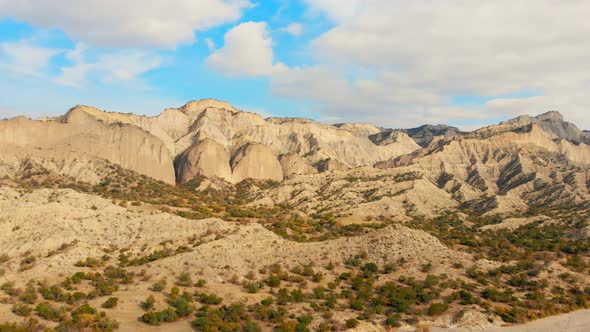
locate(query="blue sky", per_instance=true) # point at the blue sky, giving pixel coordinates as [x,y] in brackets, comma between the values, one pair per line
[391,63]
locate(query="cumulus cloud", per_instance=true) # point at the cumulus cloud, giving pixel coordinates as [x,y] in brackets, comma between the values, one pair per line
[23,57]
[28,57]
[422,53]
[112,67]
[294,29]
[247,51]
[129,23]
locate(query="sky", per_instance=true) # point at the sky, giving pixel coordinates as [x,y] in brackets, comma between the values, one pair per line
[392,63]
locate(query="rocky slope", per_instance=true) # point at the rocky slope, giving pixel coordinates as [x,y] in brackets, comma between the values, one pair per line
[506,171]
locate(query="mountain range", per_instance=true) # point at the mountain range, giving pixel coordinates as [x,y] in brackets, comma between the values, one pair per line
[290,224]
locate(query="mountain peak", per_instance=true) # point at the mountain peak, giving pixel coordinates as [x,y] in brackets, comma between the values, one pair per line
[83,111]
[194,106]
[550,116]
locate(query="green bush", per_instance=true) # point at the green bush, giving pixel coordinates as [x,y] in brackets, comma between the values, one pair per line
[29,295]
[21,309]
[46,311]
[273,281]
[205,298]
[437,308]
[159,317]
[110,303]
[148,303]
[352,323]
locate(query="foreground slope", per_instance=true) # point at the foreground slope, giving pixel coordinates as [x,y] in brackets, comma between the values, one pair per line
[48,235]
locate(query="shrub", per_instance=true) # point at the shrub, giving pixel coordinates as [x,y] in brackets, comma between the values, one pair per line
[495,295]
[273,281]
[110,303]
[388,268]
[426,267]
[352,323]
[90,262]
[148,303]
[205,298]
[393,321]
[509,315]
[29,295]
[158,317]
[184,280]
[251,327]
[159,286]
[371,267]
[27,262]
[46,311]
[437,308]
[252,287]
[103,287]
[29,325]
[226,318]
[21,309]
[84,309]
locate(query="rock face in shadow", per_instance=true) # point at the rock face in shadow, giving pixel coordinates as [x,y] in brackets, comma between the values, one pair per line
[256,161]
[423,135]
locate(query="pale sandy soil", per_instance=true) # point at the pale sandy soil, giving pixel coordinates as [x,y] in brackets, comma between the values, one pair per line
[577,321]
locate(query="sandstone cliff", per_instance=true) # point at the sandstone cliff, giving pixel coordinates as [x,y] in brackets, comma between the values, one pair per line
[89,133]
[280,146]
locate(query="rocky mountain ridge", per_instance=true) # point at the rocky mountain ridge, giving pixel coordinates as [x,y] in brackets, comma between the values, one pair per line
[324,224]
[212,138]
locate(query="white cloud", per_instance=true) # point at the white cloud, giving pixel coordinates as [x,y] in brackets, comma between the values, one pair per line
[112,67]
[22,57]
[26,57]
[421,53]
[294,29]
[247,51]
[337,10]
[129,23]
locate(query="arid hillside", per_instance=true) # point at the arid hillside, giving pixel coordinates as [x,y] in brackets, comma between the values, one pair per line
[207,218]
